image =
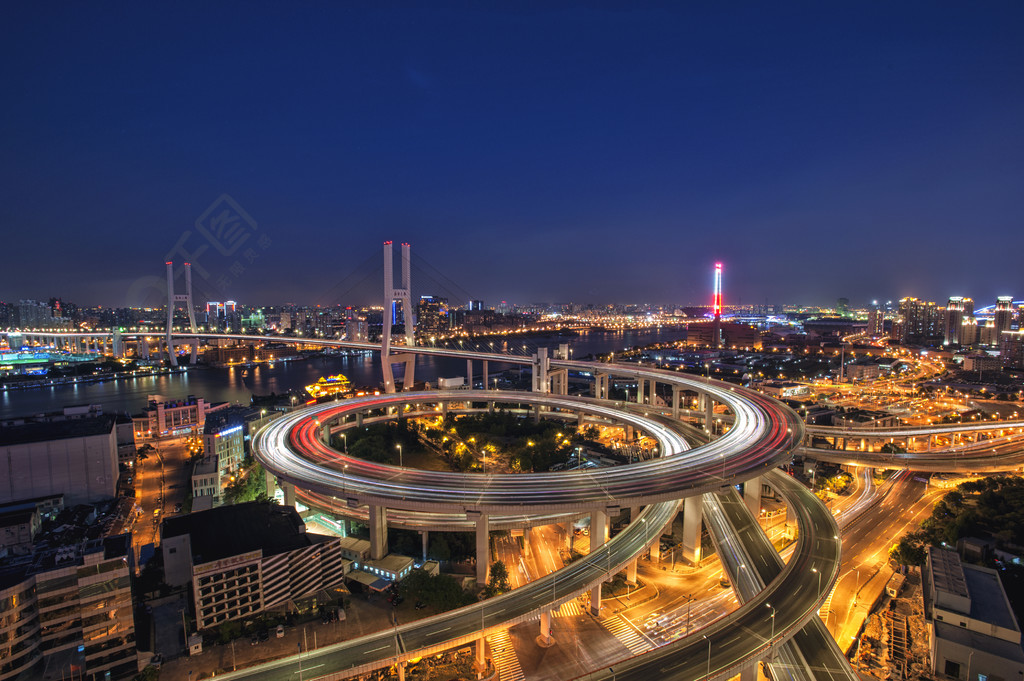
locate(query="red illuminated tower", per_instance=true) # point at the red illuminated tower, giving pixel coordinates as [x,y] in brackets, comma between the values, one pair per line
[717,305]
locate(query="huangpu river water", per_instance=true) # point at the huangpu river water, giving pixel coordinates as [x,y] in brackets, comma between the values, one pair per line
[239,384]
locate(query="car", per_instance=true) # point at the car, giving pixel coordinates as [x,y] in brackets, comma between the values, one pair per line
[177,508]
[280,631]
[157,660]
[255,640]
[264,635]
[420,605]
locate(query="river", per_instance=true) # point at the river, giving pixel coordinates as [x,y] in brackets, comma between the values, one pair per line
[238,384]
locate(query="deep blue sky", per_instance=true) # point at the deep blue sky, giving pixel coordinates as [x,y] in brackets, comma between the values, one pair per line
[862,149]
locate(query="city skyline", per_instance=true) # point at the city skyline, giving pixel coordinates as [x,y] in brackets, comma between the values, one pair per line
[528,153]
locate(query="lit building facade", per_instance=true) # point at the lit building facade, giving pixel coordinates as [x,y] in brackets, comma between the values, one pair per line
[70,608]
[247,558]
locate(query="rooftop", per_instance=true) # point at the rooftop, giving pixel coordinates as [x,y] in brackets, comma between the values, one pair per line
[988,601]
[56,430]
[228,531]
[948,573]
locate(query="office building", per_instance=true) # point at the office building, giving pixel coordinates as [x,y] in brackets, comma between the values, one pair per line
[432,319]
[972,631]
[172,418]
[244,559]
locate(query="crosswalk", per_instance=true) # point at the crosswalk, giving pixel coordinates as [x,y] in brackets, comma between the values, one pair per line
[627,634]
[569,609]
[504,656]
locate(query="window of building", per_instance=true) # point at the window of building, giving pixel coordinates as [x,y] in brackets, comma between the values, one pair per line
[952,669]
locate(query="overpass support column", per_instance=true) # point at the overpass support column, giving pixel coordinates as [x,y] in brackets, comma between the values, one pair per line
[567,530]
[709,413]
[631,571]
[579,421]
[641,387]
[359,419]
[545,638]
[485,374]
[425,538]
[289,493]
[469,374]
[752,495]
[541,366]
[791,521]
[481,657]
[526,542]
[692,523]
[749,674]
[269,483]
[598,536]
[378,532]
[401,671]
[483,549]
[676,390]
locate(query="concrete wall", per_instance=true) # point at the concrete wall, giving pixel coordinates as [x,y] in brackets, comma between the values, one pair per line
[83,469]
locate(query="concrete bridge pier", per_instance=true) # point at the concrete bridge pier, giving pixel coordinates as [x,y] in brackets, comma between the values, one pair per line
[601,386]
[631,572]
[289,493]
[752,495]
[545,639]
[676,392]
[483,549]
[480,663]
[527,535]
[484,363]
[693,517]
[598,536]
[378,531]
[709,414]
[425,539]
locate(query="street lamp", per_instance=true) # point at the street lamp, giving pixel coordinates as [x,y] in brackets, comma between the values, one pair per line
[772,639]
[400,464]
[344,441]
[819,580]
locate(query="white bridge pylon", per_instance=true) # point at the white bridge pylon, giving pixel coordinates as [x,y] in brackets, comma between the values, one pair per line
[391,295]
[172,299]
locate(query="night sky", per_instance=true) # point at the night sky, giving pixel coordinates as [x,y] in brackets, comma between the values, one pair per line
[588,154]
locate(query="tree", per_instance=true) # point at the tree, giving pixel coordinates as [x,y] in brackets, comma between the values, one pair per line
[248,486]
[439,549]
[498,582]
[150,673]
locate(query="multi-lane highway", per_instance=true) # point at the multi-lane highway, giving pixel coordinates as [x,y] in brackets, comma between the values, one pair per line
[762,436]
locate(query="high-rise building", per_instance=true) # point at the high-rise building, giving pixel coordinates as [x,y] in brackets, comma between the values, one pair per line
[954,320]
[876,320]
[432,317]
[918,321]
[475,305]
[1004,314]
[69,606]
